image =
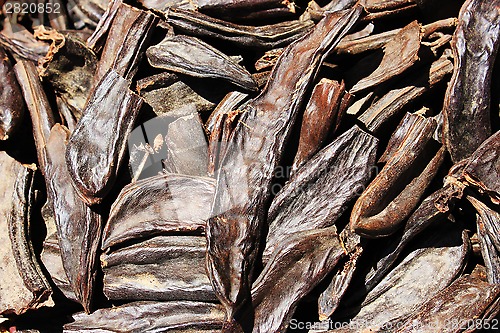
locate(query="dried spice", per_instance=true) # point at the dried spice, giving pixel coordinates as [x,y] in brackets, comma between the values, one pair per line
[483,169]
[99,139]
[245,174]
[467,103]
[191,56]
[136,215]
[71,70]
[338,172]
[488,223]
[404,93]
[22,283]
[422,274]
[11,105]
[213,195]
[126,42]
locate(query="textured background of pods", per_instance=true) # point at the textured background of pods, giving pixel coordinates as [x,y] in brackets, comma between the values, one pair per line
[249,166]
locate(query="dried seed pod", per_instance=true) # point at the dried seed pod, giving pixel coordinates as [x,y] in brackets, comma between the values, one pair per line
[488,225]
[321,118]
[483,169]
[42,117]
[191,56]
[78,228]
[149,317]
[329,299]
[318,194]
[394,193]
[22,283]
[405,93]
[464,305]
[261,37]
[246,172]
[170,95]
[187,150]
[294,269]
[160,268]
[71,71]
[400,53]
[156,205]
[219,127]
[429,268]
[467,102]
[126,42]
[11,99]
[97,145]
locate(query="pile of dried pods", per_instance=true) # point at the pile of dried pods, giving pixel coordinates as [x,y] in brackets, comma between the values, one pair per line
[249,166]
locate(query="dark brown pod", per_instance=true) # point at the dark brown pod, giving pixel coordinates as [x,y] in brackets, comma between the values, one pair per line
[260,37]
[246,172]
[406,92]
[430,267]
[488,231]
[466,305]
[321,118]
[219,127]
[397,189]
[294,269]
[467,102]
[150,317]
[78,228]
[161,268]
[187,150]
[483,169]
[126,42]
[97,145]
[22,283]
[400,53]
[318,194]
[11,99]
[156,205]
[191,56]
[71,71]
[42,116]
